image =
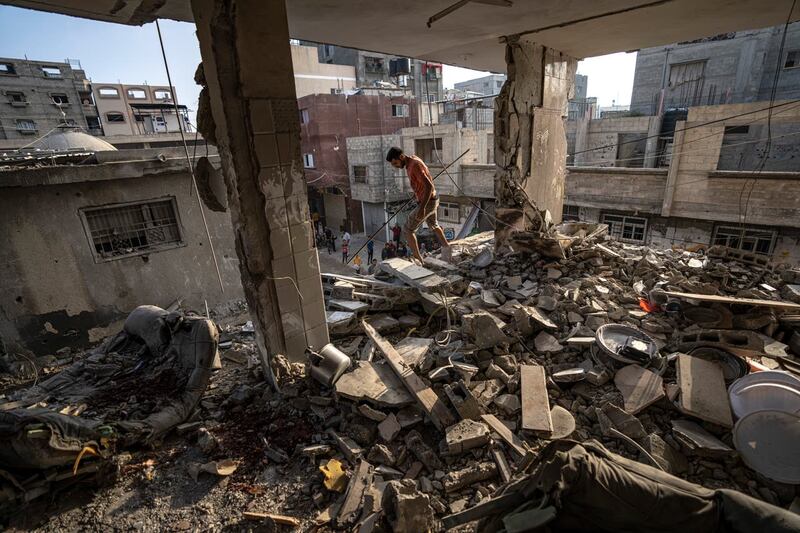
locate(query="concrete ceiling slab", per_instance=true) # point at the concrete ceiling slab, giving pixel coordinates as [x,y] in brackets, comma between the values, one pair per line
[472,36]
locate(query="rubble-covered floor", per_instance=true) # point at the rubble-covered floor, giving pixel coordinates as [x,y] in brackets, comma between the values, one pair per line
[509,315]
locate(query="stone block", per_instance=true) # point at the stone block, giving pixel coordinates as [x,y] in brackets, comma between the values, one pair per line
[275,213]
[270,181]
[318,336]
[466,435]
[261,115]
[266,147]
[280,242]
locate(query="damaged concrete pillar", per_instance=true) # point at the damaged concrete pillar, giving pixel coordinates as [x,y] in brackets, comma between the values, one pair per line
[247,67]
[530,139]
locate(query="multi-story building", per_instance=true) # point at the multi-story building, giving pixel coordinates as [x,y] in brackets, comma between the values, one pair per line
[313,77]
[729,68]
[38,96]
[327,121]
[373,69]
[486,85]
[139,109]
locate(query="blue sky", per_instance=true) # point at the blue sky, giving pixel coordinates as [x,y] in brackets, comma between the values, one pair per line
[131,54]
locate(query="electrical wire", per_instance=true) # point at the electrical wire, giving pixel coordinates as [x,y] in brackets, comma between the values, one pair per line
[189,162]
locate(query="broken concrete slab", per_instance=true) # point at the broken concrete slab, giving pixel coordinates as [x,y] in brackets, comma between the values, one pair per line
[529,319]
[389,428]
[459,479]
[383,323]
[486,391]
[372,414]
[535,400]
[466,435]
[622,421]
[702,390]
[414,275]
[414,350]
[667,457]
[376,382]
[484,329]
[509,403]
[699,441]
[463,401]
[424,453]
[546,343]
[640,387]
[409,509]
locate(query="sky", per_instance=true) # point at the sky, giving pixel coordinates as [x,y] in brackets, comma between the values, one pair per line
[115,53]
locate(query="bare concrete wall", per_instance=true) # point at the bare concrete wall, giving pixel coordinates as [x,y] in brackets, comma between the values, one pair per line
[626,189]
[53,291]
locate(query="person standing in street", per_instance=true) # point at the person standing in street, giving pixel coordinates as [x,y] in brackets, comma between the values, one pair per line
[422,183]
[345,251]
[370,250]
[396,232]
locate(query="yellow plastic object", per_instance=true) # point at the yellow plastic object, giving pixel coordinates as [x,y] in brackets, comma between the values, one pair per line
[335,477]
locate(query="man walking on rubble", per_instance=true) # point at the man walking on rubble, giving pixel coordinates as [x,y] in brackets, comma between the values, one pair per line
[425,192]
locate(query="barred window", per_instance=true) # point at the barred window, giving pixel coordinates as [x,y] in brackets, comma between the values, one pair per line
[757,240]
[131,229]
[448,212]
[625,228]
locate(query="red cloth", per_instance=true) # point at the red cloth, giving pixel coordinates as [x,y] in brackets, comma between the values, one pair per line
[419,176]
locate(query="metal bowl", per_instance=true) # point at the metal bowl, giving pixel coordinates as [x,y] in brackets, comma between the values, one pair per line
[767,442]
[771,390]
[611,339]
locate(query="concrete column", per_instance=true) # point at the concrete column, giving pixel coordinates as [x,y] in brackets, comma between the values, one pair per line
[248,70]
[530,139]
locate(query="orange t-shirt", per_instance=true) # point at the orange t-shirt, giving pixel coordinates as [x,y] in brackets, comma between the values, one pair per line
[418,175]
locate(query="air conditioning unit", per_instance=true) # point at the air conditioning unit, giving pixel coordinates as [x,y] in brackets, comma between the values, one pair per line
[398,67]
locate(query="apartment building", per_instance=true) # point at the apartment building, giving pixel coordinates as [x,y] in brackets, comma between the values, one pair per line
[733,67]
[327,122]
[139,109]
[38,96]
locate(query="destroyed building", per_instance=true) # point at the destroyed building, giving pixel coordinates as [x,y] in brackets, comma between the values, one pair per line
[544,376]
[98,234]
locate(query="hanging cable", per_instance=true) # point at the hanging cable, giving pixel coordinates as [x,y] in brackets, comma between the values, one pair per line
[188,159]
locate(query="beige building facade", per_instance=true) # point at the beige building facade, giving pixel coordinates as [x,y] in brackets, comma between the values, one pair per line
[139,109]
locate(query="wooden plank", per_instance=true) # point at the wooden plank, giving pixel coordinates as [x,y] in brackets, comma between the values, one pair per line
[639,387]
[703,393]
[732,300]
[277,518]
[430,402]
[514,442]
[351,507]
[535,401]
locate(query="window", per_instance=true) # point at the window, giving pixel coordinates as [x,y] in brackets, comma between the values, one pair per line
[373,64]
[308,160]
[25,125]
[423,148]
[760,241]
[792,59]
[130,229]
[108,92]
[304,116]
[431,97]
[115,117]
[399,110]
[51,72]
[448,213]
[16,98]
[359,173]
[625,228]
[137,94]
[59,99]
[162,94]
[571,213]
[734,130]
[7,69]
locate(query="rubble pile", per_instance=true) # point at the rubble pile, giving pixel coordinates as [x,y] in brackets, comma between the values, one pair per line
[460,373]
[447,388]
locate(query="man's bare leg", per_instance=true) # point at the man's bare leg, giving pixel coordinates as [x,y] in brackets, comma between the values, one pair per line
[439,232]
[411,238]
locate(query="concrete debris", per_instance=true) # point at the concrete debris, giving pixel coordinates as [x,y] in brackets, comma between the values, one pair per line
[448,381]
[466,435]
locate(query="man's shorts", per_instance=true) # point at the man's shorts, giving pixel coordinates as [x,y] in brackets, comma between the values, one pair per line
[424,213]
